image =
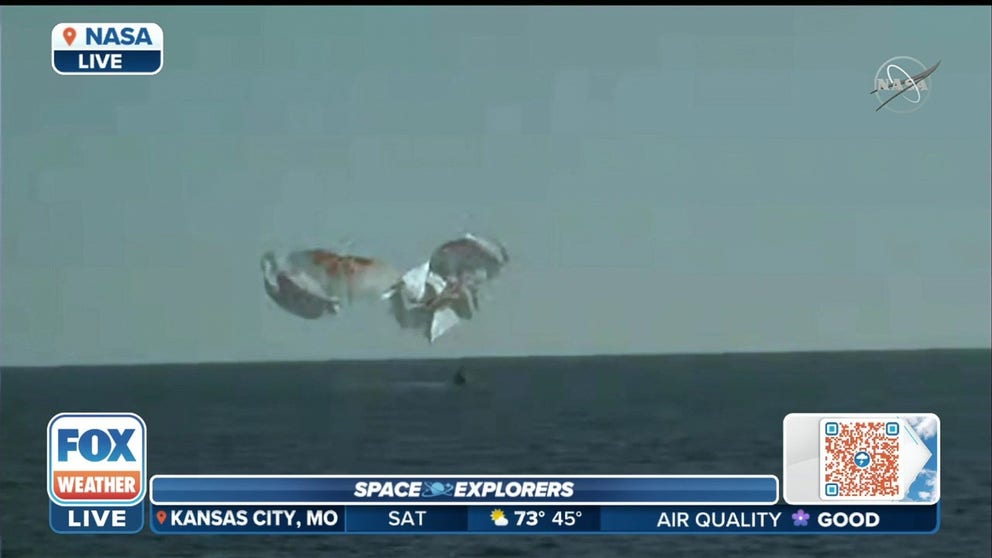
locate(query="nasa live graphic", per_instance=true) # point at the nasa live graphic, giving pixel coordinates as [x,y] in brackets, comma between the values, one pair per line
[107,49]
[97,473]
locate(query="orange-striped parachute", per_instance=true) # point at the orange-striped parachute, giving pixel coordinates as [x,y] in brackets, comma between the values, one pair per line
[432,297]
[315,283]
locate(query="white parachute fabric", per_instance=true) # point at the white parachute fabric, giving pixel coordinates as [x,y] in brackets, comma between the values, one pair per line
[316,283]
[440,294]
[432,297]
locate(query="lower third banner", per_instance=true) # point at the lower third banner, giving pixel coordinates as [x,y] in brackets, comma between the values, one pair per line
[752,520]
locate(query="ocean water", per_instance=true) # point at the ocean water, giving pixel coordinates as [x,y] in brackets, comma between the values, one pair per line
[717,414]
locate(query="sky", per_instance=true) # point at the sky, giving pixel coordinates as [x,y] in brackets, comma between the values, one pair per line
[666,179]
[926,486]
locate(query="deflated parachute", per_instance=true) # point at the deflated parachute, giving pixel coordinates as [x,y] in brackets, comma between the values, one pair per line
[423,300]
[433,297]
[470,259]
[316,283]
[440,293]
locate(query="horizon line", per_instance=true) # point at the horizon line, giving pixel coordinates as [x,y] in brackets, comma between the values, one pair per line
[500,357]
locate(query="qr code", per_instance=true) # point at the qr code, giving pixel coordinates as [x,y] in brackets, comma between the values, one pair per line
[859,458]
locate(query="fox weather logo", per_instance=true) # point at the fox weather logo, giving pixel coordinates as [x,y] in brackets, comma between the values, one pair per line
[96,473]
[96,459]
[107,49]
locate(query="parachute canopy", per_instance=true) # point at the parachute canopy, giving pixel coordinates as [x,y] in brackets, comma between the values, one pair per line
[432,297]
[316,283]
[444,291]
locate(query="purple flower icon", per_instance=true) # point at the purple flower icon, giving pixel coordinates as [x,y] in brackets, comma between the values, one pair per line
[800,518]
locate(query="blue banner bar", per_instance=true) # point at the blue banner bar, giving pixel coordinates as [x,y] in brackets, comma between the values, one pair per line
[459,490]
[247,520]
[96,520]
[547,519]
[107,62]
[404,519]
[784,519]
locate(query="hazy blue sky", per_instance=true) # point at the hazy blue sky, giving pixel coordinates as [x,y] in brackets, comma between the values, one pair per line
[667,179]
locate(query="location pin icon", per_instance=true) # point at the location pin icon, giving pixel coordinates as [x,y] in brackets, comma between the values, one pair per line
[69,34]
[160,516]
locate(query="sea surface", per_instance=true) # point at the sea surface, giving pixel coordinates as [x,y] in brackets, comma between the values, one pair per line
[719,414]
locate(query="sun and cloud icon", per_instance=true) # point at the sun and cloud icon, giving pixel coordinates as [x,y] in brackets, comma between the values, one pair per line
[499,518]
